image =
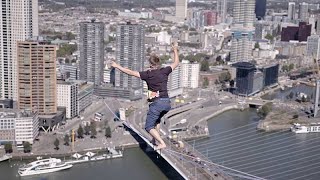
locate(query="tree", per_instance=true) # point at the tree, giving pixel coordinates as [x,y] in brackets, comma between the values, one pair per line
[204,65]
[216,82]
[56,144]
[66,140]
[8,148]
[26,147]
[205,83]
[269,37]
[93,130]
[265,110]
[291,67]
[66,50]
[291,95]
[224,77]
[218,58]
[70,36]
[80,131]
[256,45]
[108,132]
[87,129]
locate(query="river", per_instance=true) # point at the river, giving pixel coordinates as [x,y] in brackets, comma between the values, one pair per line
[136,164]
[235,143]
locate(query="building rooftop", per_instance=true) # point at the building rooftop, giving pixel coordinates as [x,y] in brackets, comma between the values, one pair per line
[14,113]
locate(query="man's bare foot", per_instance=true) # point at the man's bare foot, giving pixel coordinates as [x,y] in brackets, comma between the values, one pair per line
[161,146]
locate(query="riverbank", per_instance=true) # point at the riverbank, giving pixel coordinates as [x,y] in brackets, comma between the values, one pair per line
[26,156]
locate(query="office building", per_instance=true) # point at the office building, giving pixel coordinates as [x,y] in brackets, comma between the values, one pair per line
[313,46]
[181,9]
[222,10]
[292,10]
[91,47]
[241,45]
[270,74]
[303,11]
[190,74]
[18,126]
[37,77]
[260,8]
[293,33]
[243,12]
[67,96]
[130,53]
[19,21]
[244,77]
[85,93]
[70,71]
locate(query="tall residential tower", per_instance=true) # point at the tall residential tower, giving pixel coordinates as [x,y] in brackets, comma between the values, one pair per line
[242,30]
[222,10]
[18,21]
[181,8]
[37,77]
[91,46]
[291,10]
[130,53]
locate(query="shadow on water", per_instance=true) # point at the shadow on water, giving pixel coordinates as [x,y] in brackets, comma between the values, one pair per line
[163,165]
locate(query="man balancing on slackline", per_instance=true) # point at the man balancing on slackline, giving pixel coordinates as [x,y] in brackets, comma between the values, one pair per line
[156,78]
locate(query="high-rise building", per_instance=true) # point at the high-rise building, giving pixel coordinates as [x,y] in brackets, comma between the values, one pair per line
[270,74]
[18,21]
[318,25]
[175,82]
[222,10]
[181,8]
[261,7]
[313,46]
[242,30]
[241,46]
[91,47]
[292,10]
[303,11]
[245,77]
[243,12]
[190,74]
[130,53]
[37,77]
[67,96]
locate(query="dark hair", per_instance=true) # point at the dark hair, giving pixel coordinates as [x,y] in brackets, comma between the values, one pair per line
[154,60]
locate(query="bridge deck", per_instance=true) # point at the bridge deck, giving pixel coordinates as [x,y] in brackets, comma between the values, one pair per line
[188,168]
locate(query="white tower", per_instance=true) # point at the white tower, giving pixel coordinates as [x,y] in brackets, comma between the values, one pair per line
[18,21]
[291,10]
[181,8]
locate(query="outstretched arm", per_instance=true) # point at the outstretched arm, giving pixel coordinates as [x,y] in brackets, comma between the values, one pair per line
[176,56]
[125,70]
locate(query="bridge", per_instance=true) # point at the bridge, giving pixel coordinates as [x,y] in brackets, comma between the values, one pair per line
[184,158]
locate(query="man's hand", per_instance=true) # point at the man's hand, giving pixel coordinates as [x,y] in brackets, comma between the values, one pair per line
[174,46]
[114,64]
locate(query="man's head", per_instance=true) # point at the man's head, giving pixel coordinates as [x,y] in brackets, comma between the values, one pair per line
[154,61]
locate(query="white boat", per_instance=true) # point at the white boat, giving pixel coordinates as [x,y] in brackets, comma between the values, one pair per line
[43,166]
[299,129]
